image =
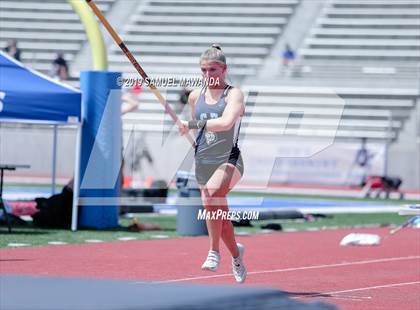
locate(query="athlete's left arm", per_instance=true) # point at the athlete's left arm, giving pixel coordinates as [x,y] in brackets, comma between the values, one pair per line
[235,108]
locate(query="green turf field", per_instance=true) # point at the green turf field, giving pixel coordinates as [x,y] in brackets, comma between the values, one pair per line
[322,197]
[33,236]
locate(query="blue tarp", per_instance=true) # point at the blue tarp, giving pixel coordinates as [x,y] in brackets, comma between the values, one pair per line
[27,95]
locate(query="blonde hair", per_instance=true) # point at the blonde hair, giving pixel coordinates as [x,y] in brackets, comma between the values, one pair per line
[214,53]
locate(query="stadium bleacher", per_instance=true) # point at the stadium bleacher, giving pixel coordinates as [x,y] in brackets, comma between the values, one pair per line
[170,35]
[377,114]
[42,29]
[377,39]
[368,39]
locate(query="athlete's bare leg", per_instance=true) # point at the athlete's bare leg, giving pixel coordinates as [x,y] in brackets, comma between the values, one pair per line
[214,198]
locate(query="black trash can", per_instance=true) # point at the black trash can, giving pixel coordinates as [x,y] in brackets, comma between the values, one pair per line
[189,206]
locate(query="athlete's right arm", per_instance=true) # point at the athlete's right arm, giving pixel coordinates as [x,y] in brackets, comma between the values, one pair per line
[192,100]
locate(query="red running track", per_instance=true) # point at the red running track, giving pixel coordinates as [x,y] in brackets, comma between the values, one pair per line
[308,265]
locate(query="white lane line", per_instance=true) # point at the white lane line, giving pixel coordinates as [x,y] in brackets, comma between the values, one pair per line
[364,262]
[333,293]
[159,236]
[373,287]
[347,297]
[57,242]
[127,238]
[18,244]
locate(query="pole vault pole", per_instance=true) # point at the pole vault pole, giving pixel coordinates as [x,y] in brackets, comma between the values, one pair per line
[136,65]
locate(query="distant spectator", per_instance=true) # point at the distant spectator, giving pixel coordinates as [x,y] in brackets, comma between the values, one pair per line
[130,100]
[130,103]
[362,163]
[288,56]
[12,49]
[362,156]
[60,69]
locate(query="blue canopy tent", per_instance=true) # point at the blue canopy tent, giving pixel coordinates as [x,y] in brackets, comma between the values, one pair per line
[31,97]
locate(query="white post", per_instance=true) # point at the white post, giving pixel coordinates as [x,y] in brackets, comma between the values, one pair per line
[54,161]
[417,105]
[387,143]
[76,182]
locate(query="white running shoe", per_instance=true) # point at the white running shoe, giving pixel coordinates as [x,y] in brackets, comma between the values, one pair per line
[212,261]
[238,267]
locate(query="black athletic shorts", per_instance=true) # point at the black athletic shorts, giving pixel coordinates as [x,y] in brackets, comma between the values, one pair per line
[204,169]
